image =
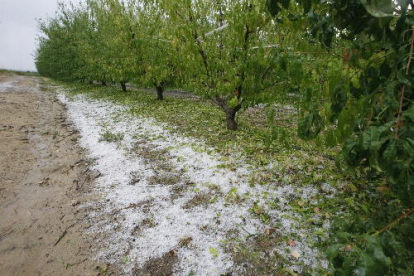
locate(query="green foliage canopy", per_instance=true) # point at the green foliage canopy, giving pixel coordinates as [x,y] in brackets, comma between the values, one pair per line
[366,105]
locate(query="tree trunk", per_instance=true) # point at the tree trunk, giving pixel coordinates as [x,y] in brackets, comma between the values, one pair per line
[230,112]
[231,119]
[123,85]
[160,90]
[104,83]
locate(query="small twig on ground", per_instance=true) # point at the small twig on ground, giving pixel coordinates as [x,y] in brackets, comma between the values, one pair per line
[63,234]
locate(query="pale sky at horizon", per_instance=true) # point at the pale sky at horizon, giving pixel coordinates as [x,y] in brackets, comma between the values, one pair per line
[18,30]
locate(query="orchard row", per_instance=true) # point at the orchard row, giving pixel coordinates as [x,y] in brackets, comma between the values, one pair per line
[346,64]
[233,52]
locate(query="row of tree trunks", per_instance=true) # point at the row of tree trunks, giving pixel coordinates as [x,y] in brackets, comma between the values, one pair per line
[230,112]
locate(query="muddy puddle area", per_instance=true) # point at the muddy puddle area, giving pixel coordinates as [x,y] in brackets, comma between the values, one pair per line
[44,179]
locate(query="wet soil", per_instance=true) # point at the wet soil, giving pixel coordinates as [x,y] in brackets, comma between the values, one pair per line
[44,179]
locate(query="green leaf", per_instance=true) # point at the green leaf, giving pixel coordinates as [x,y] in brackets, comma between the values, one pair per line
[402,77]
[296,70]
[344,235]
[214,252]
[333,251]
[390,151]
[380,256]
[409,19]
[409,114]
[365,264]
[307,5]
[283,63]
[285,3]
[273,7]
[408,145]
[338,98]
[233,102]
[330,138]
[309,126]
[379,8]
[327,37]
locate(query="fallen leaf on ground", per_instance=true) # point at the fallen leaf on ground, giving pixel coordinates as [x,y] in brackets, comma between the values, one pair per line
[291,243]
[295,254]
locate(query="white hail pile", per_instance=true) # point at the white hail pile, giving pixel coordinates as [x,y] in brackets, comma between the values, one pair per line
[13,86]
[136,202]
[8,86]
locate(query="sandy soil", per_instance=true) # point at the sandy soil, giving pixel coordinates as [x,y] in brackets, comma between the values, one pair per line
[44,178]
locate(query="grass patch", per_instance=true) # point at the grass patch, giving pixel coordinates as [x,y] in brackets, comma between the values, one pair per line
[21,73]
[111,137]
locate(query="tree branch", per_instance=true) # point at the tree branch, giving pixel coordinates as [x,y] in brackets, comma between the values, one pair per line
[392,223]
[411,53]
[212,32]
[399,123]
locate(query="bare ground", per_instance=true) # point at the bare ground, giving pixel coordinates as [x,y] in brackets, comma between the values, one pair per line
[44,178]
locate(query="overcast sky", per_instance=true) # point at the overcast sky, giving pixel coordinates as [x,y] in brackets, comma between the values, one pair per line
[18,29]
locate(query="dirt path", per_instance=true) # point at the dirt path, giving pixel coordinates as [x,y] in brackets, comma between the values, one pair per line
[43,179]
